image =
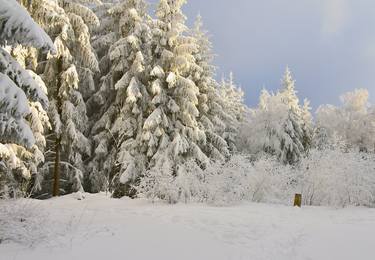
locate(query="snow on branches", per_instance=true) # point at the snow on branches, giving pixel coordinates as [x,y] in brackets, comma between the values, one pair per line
[17,27]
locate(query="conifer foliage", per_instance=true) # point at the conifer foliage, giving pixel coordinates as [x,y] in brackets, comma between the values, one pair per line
[212,99]
[119,151]
[69,70]
[134,107]
[280,126]
[131,105]
[20,99]
[174,130]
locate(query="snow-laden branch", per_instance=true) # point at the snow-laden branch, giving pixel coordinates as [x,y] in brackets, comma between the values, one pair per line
[17,27]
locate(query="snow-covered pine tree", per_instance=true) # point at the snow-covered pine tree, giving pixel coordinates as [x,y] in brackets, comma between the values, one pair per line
[132,97]
[104,36]
[300,126]
[288,91]
[100,106]
[264,131]
[234,109]
[279,126]
[119,151]
[212,115]
[307,125]
[172,131]
[21,100]
[296,134]
[71,69]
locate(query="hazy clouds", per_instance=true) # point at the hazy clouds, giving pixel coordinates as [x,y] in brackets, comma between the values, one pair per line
[328,44]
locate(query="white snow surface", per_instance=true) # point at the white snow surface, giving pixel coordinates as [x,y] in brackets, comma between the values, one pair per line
[102,228]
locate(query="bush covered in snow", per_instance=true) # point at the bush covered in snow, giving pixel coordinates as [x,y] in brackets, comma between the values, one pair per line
[241,179]
[188,184]
[226,183]
[329,177]
[337,178]
[352,122]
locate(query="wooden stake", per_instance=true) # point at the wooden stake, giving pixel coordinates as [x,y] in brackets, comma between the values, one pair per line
[297,200]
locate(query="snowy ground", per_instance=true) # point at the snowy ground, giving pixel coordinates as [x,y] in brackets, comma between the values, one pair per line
[102,228]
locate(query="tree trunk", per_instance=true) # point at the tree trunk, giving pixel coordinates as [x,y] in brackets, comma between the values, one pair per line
[56,171]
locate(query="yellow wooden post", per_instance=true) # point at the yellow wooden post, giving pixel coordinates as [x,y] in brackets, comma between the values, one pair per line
[297,200]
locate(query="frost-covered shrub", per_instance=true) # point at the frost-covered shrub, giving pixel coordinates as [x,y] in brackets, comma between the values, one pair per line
[330,177]
[187,184]
[337,178]
[240,179]
[233,181]
[352,122]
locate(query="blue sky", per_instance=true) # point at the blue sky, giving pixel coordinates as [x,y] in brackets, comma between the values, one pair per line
[328,44]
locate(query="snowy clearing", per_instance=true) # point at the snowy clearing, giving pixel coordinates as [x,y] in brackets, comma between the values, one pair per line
[102,228]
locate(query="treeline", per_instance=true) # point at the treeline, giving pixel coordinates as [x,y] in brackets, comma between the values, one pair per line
[125,95]
[104,96]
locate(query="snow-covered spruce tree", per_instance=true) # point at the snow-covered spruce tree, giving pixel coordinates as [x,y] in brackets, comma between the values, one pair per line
[100,106]
[120,154]
[234,110]
[103,37]
[300,117]
[308,127]
[71,69]
[264,131]
[279,126]
[212,115]
[173,133]
[39,123]
[21,100]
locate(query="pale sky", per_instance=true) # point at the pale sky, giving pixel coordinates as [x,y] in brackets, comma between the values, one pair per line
[328,44]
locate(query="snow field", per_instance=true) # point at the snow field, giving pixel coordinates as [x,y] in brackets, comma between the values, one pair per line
[103,228]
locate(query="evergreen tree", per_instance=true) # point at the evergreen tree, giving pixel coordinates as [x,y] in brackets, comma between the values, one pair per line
[288,92]
[212,115]
[307,125]
[71,69]
[21,99]
[119,153]
[297,125]
[172,131]
[279,126]
[100,106]
[234,109]
[160,105]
